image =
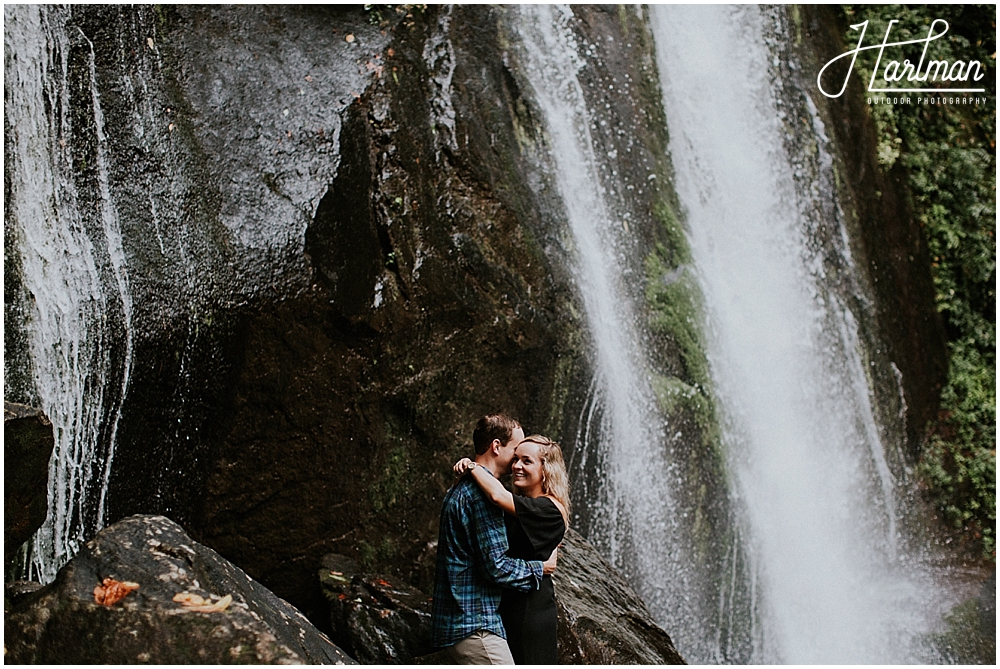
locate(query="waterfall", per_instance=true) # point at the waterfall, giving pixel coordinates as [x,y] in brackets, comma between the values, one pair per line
[73,277]
[816,494]
[621,445]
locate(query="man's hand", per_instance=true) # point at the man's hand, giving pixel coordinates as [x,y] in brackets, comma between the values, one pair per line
[462,466]
[549,566]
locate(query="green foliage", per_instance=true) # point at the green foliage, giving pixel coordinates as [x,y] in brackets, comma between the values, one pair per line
[959,460]
[949,155]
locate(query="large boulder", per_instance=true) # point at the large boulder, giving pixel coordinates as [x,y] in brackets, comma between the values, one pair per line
[601,618]
[27,447]
[64,623]
[376,619]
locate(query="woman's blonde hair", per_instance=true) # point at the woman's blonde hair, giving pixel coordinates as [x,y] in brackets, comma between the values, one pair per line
[555,480]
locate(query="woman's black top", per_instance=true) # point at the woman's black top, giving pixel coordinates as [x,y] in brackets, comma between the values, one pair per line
[530,617]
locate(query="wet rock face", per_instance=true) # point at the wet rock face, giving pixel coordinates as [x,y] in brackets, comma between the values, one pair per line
[63,624]
[375,619]
[334,267]
[601,619]
[27,447]
[433,300]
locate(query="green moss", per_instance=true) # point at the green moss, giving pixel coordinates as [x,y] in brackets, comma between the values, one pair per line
[963,641]
[675,309]
[562,389]
[162,17]
[392,485]
[677,251]
[375,558]
[623,19]
[674,396]
[366,556]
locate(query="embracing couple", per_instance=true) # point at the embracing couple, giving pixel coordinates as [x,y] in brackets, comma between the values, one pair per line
[493,596]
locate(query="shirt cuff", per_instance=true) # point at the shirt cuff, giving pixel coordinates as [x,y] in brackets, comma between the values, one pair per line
[538,571]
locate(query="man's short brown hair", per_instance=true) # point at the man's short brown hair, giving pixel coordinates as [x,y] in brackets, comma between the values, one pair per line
[494,426]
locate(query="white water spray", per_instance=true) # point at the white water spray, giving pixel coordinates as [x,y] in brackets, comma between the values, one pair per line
[634,522]
[71,346]
[805,450]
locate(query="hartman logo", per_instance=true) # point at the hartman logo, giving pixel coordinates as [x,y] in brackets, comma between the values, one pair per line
[894,73]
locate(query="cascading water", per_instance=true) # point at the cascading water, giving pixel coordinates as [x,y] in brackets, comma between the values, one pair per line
[808,466]
[620,441]
[74,276]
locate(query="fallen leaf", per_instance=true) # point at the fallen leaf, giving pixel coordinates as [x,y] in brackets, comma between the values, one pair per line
[111,591]
[218,606]
[149,41]
[197,603]
[380,581]
[390,52]
[309,77]
[341,596]
[349,38]
[189,599]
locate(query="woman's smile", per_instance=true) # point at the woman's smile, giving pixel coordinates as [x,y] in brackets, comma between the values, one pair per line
[526,470]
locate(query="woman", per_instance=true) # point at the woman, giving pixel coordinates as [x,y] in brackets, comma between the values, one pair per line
[536,518]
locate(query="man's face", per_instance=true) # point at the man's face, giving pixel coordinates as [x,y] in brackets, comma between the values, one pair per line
[507,450]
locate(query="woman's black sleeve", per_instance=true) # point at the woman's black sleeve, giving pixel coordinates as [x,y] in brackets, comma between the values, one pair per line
[541,520]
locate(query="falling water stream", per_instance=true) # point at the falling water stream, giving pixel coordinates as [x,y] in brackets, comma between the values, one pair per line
[74,270]
[621,409]
[634,518]
[815,495]
[806,457]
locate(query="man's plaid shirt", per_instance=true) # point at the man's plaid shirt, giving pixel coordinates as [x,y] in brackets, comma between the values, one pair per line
[472,565]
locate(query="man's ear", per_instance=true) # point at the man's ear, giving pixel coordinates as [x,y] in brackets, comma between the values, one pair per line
[496,446]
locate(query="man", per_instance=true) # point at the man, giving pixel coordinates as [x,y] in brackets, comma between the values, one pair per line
[472,565]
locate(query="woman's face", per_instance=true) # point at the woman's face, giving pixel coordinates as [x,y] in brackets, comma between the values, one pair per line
[526,470]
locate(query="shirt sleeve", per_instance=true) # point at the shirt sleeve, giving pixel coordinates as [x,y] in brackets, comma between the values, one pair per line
[541,521]
[490,544]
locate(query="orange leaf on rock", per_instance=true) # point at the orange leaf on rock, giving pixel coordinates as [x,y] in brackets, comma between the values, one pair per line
[111,591]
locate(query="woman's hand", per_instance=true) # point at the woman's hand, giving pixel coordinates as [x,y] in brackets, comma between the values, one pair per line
[495,492]
[549,565]
[462,466]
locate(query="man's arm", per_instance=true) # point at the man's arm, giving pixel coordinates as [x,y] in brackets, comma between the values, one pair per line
[489,542]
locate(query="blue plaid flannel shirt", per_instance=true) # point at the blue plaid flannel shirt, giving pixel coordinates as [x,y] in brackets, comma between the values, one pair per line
[472,565]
